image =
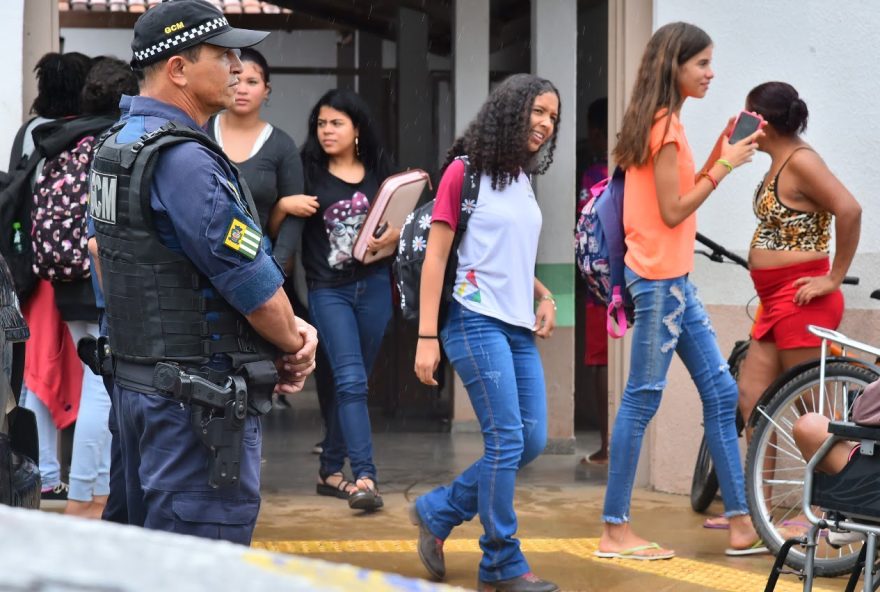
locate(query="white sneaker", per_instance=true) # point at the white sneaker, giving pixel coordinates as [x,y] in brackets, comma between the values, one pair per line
[842,538]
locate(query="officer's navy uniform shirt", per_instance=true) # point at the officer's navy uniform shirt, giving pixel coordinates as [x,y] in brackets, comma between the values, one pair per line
[197,224]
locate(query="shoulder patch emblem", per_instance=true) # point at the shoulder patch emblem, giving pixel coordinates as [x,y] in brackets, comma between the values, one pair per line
[243,239]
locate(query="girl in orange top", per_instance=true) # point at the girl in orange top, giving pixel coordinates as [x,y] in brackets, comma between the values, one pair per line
[662,194]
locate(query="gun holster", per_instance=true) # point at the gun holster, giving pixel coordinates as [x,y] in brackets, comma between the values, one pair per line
[218,416]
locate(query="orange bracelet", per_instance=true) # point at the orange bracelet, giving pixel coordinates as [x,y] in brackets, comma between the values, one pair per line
[712,179]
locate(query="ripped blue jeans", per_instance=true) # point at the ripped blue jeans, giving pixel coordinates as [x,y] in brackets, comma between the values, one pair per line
[671,319]
[501,369]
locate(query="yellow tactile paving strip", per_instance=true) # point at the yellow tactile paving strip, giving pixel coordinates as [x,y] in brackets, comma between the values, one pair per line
[690,571]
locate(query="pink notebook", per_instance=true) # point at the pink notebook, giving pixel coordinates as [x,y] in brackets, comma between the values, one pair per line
[397,197]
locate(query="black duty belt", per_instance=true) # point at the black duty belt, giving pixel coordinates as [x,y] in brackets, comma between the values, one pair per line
[139,377]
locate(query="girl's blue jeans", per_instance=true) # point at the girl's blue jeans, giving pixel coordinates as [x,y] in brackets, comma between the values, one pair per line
[351,321]
[501,369]
[669,318]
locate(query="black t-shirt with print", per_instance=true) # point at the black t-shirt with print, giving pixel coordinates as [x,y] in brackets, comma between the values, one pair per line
[330,233]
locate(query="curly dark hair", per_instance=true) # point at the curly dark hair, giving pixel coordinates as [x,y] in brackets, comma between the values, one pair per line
[60,78]
[496,141]
[371,152]
[108,79]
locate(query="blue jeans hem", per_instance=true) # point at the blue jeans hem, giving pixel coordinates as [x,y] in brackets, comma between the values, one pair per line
[429,520]
[85,490]
[735,513]
[614,520]
[508,572]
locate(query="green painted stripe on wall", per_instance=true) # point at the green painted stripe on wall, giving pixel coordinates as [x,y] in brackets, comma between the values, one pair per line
[559,279]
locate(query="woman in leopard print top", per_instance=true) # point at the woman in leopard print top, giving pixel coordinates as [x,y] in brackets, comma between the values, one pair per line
[795,278]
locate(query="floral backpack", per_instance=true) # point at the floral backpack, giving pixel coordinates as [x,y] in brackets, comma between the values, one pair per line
[599,249]
[61,197]
[407,265]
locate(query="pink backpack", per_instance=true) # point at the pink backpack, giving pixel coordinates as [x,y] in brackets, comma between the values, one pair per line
[61,197]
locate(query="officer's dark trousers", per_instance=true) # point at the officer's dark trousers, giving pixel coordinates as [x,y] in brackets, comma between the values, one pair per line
[166,472]
[116,509]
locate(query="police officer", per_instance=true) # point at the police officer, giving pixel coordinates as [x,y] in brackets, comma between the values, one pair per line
[200,327]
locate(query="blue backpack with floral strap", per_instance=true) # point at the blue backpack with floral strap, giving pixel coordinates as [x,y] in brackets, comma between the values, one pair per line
[599,248]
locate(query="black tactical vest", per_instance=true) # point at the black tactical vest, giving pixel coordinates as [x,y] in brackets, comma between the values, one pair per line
[157,302]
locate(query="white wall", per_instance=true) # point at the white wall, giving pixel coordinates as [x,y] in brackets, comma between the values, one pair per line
[95,42]
[11,43]
[828,51]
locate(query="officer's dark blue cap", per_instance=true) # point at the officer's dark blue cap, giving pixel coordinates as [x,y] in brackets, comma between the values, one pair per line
[173,25]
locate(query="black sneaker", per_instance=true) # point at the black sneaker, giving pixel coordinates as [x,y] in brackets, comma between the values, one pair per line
[430,547]
[525,583]
[57,493]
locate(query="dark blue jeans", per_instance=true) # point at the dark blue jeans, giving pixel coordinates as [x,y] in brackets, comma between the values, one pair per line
[501,369]
[351,321]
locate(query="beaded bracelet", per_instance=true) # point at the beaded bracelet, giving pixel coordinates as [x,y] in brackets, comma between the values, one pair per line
[712,179]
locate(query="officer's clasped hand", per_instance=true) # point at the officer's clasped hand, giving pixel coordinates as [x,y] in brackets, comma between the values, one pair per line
[294,368]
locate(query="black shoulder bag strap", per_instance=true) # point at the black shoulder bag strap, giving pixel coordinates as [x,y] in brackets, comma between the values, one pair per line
[470,192]
[16,157]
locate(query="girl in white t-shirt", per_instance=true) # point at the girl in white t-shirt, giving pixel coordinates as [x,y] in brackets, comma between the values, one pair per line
[489,328]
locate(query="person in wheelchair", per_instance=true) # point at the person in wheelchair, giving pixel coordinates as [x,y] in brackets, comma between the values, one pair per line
[810,431]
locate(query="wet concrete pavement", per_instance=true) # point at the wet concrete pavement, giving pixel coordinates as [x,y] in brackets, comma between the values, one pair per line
[558,502]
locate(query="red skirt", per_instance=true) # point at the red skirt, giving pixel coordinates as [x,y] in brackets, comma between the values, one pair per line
[781,320]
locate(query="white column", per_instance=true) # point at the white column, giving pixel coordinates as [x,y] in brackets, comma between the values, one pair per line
[471,87]
[11,47]
[629,29]
[28,30]
[471,59]
[554,57]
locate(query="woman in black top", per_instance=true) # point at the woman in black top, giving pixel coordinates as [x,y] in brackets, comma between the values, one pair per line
[350,303]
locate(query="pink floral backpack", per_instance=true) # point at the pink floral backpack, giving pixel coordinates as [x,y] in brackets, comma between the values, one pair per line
[61,198]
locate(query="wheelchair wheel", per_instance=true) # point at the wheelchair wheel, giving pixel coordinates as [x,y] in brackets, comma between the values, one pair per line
[775,467]
[704,484]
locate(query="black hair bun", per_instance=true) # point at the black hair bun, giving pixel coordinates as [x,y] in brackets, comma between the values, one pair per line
[797,116]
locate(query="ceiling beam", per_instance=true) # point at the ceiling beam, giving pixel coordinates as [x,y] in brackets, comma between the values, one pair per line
[265,22]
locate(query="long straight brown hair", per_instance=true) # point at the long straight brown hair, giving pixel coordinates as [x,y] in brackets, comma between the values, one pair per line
[656,88]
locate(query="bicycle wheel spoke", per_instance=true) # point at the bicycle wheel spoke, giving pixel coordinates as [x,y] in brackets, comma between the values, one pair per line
[779,429]
[799,470]
[787,453]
